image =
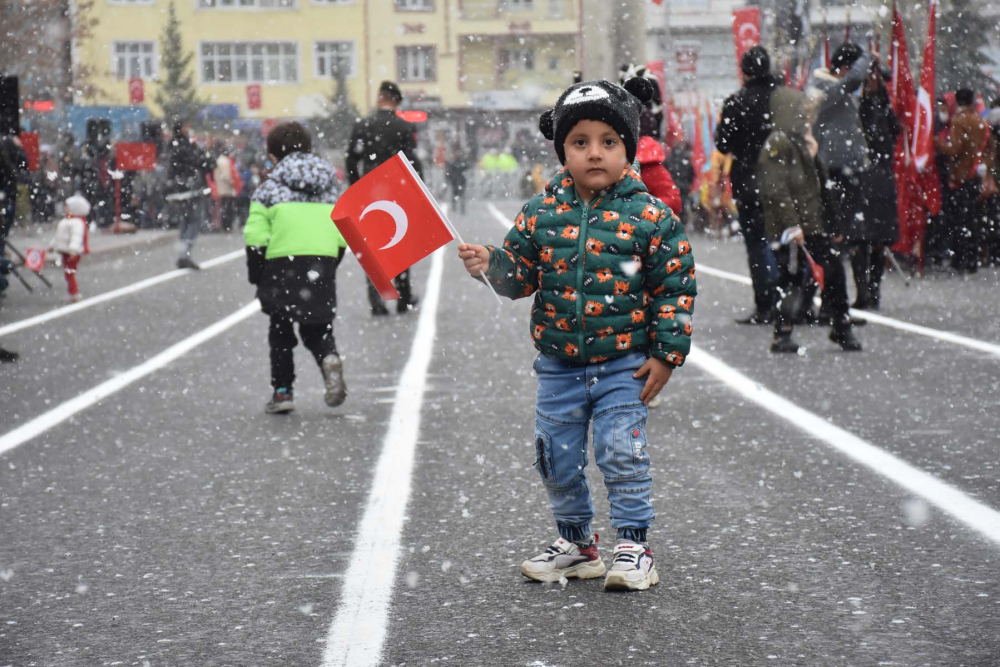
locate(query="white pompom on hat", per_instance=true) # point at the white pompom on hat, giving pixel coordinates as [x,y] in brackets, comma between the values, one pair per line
[78,206]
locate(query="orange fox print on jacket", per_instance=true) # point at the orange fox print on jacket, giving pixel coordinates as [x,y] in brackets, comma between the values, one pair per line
[607,278]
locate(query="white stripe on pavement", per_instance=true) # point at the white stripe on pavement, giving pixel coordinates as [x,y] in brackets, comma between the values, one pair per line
[875,318]
[62,412]
[981,518]
[113,294]
[357,633]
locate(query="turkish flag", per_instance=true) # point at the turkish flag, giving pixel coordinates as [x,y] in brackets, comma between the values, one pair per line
[34,259]
[746,31]
[390,221]
[136,91]
[923,127]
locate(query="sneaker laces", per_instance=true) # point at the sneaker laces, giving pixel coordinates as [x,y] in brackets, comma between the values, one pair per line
[627,557]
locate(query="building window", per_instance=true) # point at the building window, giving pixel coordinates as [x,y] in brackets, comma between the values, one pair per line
[334,59]
[246,4]
[415,63]
[518,59]
[133,60]
[249,62]
[415,5]
[517,5]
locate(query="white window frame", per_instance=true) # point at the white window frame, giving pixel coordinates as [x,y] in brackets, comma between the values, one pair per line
[247,5]
[154,69]
[352,57]
[513,6]
[251,59]
[422,75]
[414,5]
[518,57]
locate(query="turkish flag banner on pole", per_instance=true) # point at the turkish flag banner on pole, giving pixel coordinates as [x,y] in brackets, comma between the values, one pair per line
[391,221]
[923,127]
[746,31]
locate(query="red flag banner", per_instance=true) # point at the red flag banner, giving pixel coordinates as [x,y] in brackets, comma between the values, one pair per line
[34,259]
[136,91]
[923,126]
[698,156]
[390,221]
[746,31]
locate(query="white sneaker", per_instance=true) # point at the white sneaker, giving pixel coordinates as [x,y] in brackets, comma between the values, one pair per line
[333,377]
[565,559]
[632,568]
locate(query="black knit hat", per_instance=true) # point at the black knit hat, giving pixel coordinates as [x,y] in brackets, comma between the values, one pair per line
[755,62]
[845,56]
[608,102]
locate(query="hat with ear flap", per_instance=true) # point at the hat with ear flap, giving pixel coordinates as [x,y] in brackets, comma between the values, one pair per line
[618,106]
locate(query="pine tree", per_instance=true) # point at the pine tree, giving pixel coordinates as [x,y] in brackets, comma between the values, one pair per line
[337,124]
[177,95]
[961,38]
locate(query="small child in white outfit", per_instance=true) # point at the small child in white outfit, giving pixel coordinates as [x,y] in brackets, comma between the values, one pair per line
[70,240]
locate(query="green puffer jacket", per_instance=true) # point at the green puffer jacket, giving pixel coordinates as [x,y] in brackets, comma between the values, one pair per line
[614,277]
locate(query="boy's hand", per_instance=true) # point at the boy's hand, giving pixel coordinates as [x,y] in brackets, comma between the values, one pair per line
[475,257]
[659,374]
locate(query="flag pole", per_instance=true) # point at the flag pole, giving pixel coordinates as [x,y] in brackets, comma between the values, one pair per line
[447,222]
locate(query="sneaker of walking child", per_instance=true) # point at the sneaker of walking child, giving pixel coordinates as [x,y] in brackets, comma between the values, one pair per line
[70,241]
[293,251]
[612,277]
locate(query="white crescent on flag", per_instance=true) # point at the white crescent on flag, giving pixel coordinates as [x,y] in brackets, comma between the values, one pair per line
[398,216]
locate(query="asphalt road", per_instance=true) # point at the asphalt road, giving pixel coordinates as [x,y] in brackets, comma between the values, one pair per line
[174,523]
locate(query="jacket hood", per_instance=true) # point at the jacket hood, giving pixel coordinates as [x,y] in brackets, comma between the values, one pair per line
[561,184]
[306,173]
[650,151]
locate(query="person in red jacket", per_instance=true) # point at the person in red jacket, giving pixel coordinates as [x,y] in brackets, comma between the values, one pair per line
[655,176]
[649,152]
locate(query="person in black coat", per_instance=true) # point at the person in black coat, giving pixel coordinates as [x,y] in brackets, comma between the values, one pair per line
[871,237]
[374,140]
[742,130]
[187,166]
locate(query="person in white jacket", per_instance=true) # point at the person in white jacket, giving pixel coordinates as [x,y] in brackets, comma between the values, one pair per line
[70,240]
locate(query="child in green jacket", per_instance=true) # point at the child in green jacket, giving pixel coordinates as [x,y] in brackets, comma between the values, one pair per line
[612,276]
[293,251]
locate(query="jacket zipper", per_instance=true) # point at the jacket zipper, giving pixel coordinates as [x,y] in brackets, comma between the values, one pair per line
[580,271]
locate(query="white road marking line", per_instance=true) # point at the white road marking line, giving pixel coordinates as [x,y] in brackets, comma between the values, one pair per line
[357,633]
[62,412]
[875,318]
[499,217]
[981,518]
[114,294]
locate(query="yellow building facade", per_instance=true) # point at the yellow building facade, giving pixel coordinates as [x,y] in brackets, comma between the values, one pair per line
[445,54]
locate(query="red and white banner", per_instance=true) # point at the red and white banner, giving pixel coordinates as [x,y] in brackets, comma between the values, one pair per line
[390,221]
[136,91]
[34,259]
[746,31]
[254,97]
[923,125]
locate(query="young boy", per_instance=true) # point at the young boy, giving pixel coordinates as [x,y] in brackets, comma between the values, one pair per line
[70,240]
[613,281]
[292,255]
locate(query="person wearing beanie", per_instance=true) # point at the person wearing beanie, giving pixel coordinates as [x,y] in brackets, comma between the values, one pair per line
[843,152]
[70,241]
[742,130]
[374,140]
[612,279]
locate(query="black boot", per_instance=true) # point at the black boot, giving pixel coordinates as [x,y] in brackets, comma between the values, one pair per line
[843,335]
[875,277]
[861,267]
[783,344]
[7,356]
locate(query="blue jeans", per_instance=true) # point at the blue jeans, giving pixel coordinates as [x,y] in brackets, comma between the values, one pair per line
[570,396]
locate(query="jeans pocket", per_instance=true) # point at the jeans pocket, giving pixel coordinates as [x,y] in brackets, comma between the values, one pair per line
[630,444]
[543,453]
